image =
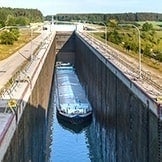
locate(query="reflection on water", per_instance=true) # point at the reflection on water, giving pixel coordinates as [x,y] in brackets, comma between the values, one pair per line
[78,143]
[65,142]
[68,143]
[101,141]
[95,141]
[83,143]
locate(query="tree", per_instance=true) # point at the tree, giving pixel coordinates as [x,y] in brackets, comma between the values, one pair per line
[11,21]
[7,38]
[2,18]
[15,33]
[147,49]
[112,23]
[147,27]
[10,16]
[22,21]
[114,37]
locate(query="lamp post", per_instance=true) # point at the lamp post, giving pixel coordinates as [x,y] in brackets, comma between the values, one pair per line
[139,46]
[31,43]
[105,32]
[139,49]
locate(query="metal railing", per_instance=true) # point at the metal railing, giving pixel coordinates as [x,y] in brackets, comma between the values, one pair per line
[113,53]
[20,72]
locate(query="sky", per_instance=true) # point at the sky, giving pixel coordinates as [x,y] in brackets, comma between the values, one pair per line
[52,7]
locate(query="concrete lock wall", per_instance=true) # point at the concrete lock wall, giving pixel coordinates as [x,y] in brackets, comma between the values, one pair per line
[29,138]
[131,129]
[65,46]
[135,127]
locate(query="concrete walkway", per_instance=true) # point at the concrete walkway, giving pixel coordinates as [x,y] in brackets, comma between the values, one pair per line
[129,66]
[22,86]
[149,82]
[9,66]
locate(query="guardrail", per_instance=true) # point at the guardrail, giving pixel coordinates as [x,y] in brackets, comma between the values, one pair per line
[113,53]
[11,84]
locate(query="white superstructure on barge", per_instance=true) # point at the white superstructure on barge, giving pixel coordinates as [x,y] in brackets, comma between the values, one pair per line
[72,103]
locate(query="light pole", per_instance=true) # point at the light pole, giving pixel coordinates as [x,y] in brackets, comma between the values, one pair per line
[105,32]
[139,46]
[31,43]
[139,49]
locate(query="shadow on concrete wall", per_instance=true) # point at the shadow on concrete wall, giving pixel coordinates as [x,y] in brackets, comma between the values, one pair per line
[28,142]
[65,47]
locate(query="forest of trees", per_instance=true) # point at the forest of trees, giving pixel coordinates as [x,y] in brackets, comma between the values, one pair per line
[150,40]
[13,17]
[19,16]
[121,17]
[125,36]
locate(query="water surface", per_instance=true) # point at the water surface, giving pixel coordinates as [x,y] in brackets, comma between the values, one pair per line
[66,142]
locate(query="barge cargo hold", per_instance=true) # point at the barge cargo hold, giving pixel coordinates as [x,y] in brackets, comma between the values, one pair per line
[72,103]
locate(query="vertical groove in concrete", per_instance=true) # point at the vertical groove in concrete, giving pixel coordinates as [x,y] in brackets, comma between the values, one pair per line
[160,140]
[135,127]
[65,46]
[28,141]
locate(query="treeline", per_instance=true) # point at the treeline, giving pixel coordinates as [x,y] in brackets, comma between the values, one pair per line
[19,16]
[120,17]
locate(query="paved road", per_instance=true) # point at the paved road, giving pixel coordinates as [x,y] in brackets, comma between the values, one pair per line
[10,65]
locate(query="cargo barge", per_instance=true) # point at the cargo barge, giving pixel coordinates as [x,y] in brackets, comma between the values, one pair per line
[72,103]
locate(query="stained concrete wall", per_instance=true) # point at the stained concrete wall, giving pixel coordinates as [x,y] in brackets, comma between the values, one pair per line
[65,46]
[133,128]
[29,138]
[130,129]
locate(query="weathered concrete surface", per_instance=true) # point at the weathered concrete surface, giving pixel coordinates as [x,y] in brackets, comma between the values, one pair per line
[130,130]
[65,46]
[134,128]
[28,141]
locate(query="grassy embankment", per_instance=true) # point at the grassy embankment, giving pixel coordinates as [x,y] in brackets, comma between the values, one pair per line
[149,61]
[8,50]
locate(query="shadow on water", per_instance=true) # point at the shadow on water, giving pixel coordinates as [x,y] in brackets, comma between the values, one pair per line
[65,142]
[68,142]
[105,139]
